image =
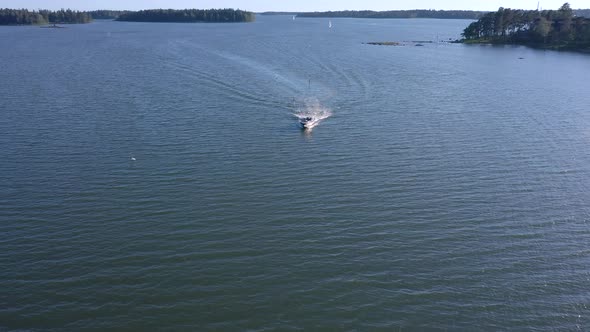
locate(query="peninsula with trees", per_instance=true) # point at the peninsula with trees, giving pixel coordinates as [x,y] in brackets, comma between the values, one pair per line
[549,29]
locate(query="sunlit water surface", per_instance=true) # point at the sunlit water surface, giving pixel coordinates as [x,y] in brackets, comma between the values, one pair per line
[153,177]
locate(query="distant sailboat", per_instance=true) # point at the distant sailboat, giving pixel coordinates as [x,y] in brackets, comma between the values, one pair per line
[294,17]
[330,24]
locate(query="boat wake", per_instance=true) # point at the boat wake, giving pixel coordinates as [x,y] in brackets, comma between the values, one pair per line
[311,113]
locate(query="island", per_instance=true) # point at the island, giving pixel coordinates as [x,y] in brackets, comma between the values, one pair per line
[68,16]
[386,43]
[188,15]
[42,17]
[548,29]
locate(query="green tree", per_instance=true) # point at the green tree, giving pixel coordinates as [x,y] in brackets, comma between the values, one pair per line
[555,29]
[542,28]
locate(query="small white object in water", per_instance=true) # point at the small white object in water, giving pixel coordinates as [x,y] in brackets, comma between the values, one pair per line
[133,158]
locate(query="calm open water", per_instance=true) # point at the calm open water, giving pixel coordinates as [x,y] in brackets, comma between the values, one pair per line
[447,187]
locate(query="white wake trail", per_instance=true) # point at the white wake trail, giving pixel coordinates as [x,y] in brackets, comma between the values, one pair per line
[311,107]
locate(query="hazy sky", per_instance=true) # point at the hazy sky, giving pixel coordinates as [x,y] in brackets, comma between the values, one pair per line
[290,5]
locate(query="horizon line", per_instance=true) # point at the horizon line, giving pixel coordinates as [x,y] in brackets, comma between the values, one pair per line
[283,11]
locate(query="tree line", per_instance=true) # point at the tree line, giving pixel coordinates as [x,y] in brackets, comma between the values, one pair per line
[463,14]
[106,14]
[28,17]
[188,15]
[65,16]
[417,13]
[559,29]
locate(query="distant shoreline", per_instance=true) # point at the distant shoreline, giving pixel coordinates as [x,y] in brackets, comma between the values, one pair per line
[22,17]
[413,13]
[416,13]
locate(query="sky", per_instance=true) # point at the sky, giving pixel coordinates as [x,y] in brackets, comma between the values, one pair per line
[291,5]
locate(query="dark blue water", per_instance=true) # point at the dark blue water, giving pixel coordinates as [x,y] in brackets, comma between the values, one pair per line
[153,177]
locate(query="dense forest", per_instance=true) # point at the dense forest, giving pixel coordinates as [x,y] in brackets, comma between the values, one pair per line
[188,15]
[418,13]
[28,17]
[555,29]
[106,14]
[39,17]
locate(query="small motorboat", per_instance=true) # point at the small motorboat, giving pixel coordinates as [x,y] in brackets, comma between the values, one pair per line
[308,122]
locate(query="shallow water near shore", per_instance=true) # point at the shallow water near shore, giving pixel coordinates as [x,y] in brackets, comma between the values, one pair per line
[153,176]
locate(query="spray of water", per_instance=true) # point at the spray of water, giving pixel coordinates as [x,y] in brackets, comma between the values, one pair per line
[311,107]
